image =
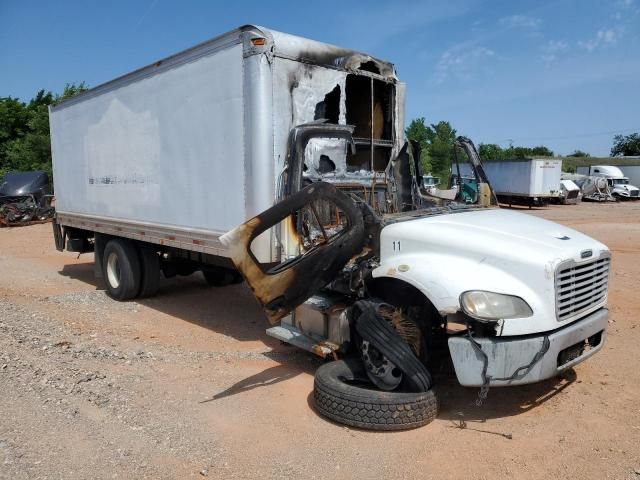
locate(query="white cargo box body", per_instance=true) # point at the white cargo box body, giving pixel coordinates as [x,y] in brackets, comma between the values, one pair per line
[632,172]
[181,151]
[144,152]
[530,178]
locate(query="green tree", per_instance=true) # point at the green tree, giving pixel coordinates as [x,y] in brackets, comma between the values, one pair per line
[418,132]
[491,151]
[13,124]
[71,90]
[436,141]
[441,137]
[578,154]
[527,152]
[626,145]
[541,151]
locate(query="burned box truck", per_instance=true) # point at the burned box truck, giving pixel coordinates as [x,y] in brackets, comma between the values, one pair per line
[281,161]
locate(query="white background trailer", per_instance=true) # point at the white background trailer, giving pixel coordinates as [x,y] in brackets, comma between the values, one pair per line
[632,172]
[536,180]
[182,150]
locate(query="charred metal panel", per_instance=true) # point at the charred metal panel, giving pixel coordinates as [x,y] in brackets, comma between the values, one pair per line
[300,91]
[298,141]
[317,53]
[401,170]
[283,287]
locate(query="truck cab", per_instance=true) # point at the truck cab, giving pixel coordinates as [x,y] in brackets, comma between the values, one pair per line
[618,182]
[514,298]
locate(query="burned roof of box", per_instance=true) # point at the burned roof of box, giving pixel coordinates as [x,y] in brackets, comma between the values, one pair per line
[276,43]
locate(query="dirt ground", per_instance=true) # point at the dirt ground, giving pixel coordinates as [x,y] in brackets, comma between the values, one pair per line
[188,385]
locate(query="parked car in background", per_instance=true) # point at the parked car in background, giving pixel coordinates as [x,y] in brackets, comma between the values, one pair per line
[25,197]
[429,182]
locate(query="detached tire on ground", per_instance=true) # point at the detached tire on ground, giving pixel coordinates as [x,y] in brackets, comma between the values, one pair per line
[341,395]
[121,269]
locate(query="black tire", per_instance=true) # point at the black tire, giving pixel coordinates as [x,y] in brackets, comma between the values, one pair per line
[122,278]
[383,336]
[150,270]
[221,277]
[350,404]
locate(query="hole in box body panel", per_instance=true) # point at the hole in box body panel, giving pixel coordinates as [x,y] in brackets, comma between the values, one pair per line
[369,108]
[369,66]
[358,91]
[329,108]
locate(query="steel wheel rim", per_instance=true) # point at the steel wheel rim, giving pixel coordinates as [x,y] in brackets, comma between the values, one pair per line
[113,270]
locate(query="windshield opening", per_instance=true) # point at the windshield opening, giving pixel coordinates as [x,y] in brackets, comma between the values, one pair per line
[619,181]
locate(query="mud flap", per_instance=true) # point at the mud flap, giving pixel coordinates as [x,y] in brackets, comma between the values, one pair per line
[58,236]
[280,288]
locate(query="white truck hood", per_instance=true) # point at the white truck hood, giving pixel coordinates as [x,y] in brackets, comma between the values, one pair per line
[626,190]
[495,250]
[508,229]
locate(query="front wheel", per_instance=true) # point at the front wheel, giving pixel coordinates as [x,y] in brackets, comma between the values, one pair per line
[121,269]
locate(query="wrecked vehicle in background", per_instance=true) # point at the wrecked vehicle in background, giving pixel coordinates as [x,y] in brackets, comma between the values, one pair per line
[569,192]
[25,198]
[592,189]
[617,182]
[349,256]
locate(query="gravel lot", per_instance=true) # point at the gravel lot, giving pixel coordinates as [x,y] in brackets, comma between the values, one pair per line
[187,385]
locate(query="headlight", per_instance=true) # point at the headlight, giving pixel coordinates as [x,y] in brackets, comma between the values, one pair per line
[493,306]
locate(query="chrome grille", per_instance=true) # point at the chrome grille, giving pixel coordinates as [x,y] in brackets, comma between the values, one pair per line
[634,193]
[579,286]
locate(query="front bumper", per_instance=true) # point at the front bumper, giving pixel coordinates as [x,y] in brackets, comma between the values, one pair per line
[568,346]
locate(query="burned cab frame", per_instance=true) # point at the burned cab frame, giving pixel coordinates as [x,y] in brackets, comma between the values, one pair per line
[331,230]
[328,221]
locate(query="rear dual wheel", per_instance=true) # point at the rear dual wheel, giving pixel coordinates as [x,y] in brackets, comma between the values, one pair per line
[130,270]
[121,269]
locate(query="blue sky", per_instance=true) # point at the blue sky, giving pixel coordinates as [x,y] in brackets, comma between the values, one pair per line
[561,73]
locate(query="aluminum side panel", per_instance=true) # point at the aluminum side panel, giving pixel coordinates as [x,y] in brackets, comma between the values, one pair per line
[166,149]
[260,180]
